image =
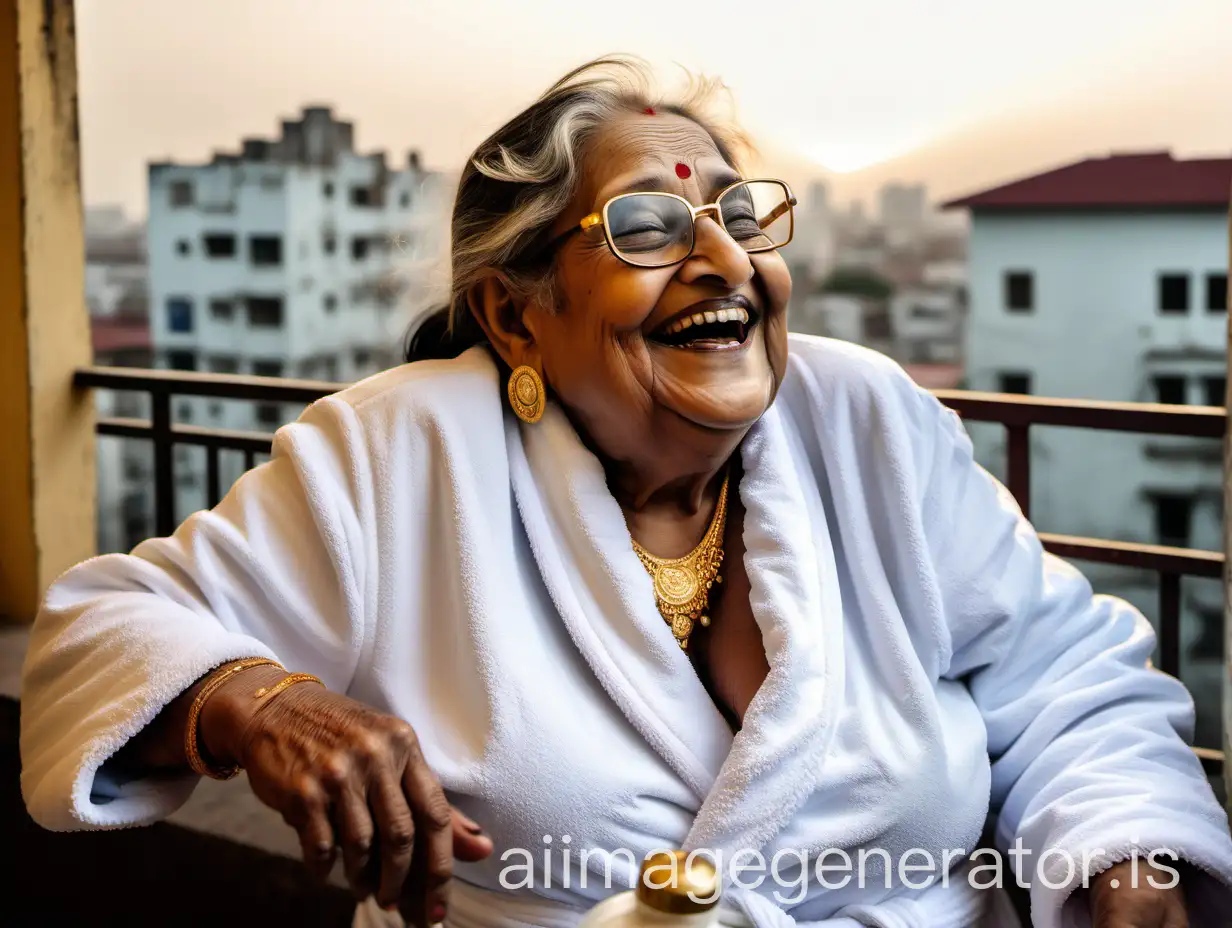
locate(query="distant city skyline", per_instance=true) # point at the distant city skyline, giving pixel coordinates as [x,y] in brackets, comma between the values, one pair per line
[958,98]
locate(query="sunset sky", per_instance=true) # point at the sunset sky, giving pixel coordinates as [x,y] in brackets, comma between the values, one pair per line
[956,93]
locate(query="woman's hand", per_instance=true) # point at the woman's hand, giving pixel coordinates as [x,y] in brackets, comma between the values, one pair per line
[344,775]
[1117,903]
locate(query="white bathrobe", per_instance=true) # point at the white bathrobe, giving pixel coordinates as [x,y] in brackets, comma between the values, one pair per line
[420,549]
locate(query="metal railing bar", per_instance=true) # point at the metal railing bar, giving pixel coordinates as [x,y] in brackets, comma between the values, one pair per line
[1170,624]
[1018,466]
[230,439]
[213,488]
[1150,418]
[222,386]
[164,463]
[1212,760]
[1190,562]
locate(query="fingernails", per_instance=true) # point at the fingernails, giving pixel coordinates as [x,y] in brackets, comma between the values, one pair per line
[472,828]
[436,914]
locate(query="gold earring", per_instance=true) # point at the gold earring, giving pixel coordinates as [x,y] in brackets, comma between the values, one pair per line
[526,394]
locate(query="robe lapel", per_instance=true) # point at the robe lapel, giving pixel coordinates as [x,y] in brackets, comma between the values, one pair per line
[777,759]
[581,543]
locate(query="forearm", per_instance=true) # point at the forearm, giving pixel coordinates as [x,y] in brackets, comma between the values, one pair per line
[161,744]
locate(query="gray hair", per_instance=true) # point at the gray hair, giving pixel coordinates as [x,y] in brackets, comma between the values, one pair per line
[524,175]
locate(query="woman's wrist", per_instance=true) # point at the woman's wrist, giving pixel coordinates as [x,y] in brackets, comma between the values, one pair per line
[227,711]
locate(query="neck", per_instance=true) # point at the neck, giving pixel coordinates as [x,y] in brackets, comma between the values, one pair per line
[667,486]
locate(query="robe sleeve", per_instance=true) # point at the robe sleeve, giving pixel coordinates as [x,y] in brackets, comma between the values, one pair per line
[1087,740]
[276,570]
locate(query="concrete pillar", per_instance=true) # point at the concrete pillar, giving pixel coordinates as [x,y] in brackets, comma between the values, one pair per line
[47,487]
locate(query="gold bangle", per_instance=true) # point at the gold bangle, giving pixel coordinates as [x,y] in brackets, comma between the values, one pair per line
[192,749]
[268,692]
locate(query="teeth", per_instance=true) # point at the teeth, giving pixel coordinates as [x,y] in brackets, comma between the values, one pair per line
[722,315]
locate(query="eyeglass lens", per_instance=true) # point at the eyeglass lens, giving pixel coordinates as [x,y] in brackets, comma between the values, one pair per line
[651,230]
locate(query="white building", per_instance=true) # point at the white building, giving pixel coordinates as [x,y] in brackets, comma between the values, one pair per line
[288,258]
[1107,279]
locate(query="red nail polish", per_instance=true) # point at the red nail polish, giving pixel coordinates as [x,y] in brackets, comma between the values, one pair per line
[437,914]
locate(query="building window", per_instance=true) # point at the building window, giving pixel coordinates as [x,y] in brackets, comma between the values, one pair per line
[1173,517]
[215,410]
[1019,291]
[363,358]
[327,190]
[224,364]
[331,302]
[361,196]
[1017,382]
[269,415]
[1215,390]
[182,360]
[267,368]
[222,310]
[219,244]
[265,250]
[1216,293]
[179,314]
[184,412]
[182,247]
[329,243]
[1174,293]
[265,312]
[181,193]
[405,199]
[329,368]
[1170,389]
[359,248]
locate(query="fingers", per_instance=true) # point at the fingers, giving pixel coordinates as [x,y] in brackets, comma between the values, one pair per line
[432,865]
[355,834]
[396,836]
[308,814]
[470,844]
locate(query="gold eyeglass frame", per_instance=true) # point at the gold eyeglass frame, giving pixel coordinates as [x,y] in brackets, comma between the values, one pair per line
[600,219]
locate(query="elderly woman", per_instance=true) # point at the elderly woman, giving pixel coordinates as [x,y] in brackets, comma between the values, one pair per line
[617,564]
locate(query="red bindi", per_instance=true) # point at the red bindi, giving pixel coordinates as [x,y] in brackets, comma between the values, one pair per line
[649,111]
[682,171]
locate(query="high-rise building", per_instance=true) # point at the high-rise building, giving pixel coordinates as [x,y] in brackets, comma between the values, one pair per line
[903,212]
[291,257]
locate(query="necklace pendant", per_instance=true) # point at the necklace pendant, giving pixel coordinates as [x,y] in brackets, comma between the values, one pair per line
[682,626]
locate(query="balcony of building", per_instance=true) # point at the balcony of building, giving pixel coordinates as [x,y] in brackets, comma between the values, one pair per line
[224,857]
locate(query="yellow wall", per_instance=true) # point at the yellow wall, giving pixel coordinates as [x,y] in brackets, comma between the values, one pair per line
[47,491]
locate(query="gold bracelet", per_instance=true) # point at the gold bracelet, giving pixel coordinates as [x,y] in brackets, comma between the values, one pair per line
[216,679]
[268,692]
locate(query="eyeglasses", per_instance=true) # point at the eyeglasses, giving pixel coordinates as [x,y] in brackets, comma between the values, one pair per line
[654,229]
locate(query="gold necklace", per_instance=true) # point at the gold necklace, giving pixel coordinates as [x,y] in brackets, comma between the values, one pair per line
[682,584]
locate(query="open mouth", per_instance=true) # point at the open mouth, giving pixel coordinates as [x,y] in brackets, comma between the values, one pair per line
[709,330]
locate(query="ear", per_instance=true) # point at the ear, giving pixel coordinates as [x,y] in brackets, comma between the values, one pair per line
[499,313]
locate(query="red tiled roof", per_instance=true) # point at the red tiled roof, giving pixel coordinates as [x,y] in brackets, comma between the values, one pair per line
[116,333]
[1153,180]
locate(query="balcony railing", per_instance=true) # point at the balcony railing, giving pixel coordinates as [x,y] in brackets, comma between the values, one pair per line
[1018,414]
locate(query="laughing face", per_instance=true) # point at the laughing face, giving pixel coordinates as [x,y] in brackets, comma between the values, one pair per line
[658,361]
